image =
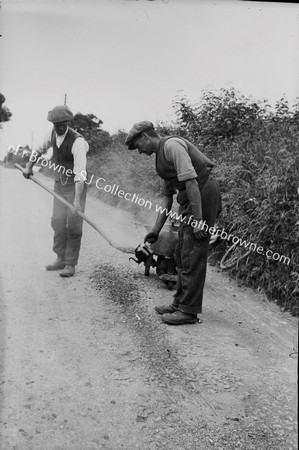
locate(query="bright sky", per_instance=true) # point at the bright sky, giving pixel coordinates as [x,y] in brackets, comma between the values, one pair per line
[127,60]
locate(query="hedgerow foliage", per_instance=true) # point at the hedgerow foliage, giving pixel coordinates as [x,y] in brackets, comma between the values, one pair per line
[256,156]
[90,127]
[5,113]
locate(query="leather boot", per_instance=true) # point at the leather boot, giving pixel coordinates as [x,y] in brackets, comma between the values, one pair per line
[179,318]
[56,265]
[164,309]
[68,271]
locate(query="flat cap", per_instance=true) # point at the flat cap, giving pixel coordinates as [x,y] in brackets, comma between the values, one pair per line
[135,131]
[60,114]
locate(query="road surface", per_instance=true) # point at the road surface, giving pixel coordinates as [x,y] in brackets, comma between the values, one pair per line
[87,364]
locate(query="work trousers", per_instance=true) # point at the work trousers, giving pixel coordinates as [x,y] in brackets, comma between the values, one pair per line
[192,254]
[66,225]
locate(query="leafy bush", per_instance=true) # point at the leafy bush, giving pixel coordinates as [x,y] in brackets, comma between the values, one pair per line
[89,126]
[5,113]
[218,116]
[256,159]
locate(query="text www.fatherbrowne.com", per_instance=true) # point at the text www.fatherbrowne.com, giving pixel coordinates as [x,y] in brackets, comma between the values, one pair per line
[202,225]
[114,190]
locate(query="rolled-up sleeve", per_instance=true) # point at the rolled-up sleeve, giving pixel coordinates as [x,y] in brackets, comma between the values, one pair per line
[79,150]
[176,152]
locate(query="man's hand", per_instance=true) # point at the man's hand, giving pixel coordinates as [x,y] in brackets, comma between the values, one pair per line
[151,237]
[76,207]
[27,172]
[199,232]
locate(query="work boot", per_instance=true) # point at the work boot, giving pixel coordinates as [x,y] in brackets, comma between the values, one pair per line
[56,265]
[68,271]
[164,309]
[179,318]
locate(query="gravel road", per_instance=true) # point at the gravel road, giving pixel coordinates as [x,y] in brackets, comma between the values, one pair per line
[87,364]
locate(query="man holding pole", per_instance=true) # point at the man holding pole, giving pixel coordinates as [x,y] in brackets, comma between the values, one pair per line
[69,156]
[186,170]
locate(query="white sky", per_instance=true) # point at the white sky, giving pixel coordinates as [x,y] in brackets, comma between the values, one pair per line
[126,60]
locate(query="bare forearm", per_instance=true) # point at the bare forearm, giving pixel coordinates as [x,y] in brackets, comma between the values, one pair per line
[79,187]
[35,155]
[153,235]
[194,197]
[162,217]
[30,164]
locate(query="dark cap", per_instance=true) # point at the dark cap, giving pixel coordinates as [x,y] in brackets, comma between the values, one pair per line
[135,131]
[60,114]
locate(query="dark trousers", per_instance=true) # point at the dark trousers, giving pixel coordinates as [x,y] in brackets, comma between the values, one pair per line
[192,254]
[66,225]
